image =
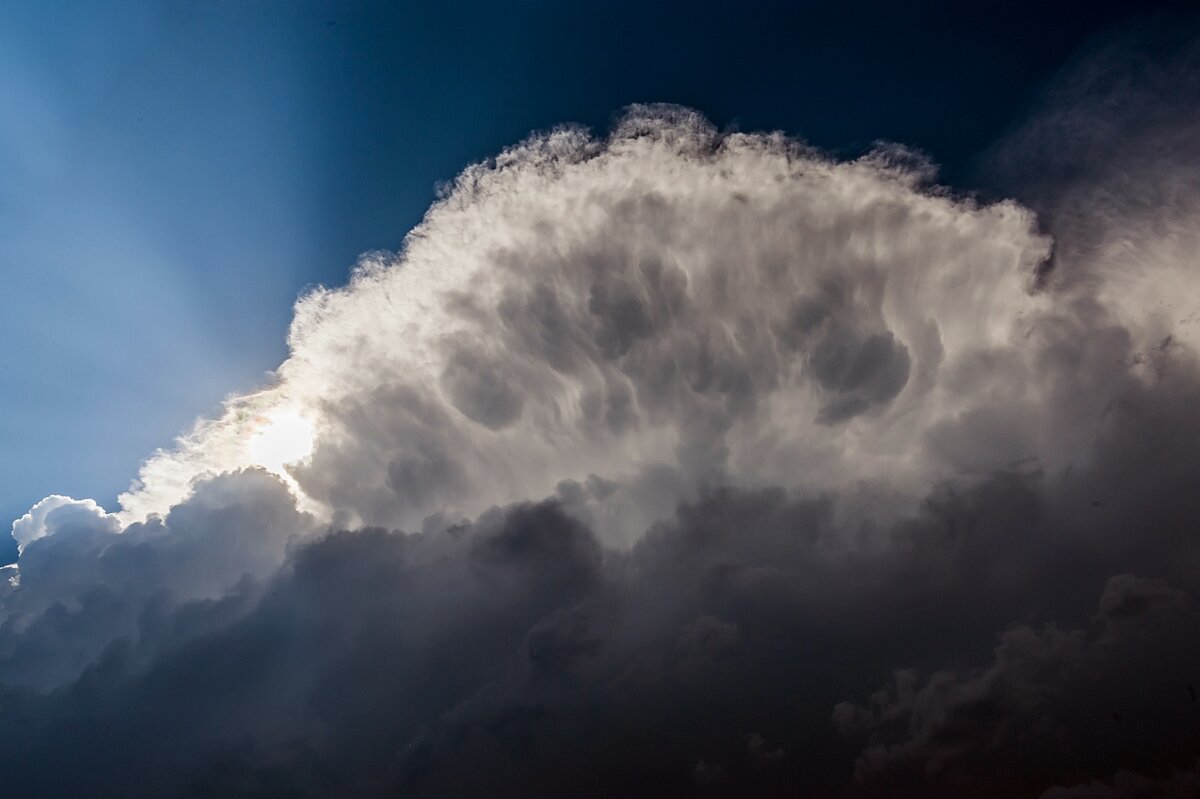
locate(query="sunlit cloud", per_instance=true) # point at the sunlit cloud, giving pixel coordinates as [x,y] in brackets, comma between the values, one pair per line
[283,437]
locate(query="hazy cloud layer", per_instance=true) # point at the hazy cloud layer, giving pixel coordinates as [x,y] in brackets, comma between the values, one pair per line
[671,463]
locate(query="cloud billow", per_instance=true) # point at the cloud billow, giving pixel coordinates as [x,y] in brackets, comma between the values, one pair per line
[670,463]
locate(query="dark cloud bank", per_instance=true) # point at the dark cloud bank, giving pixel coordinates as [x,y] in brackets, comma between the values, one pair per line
[1028,626]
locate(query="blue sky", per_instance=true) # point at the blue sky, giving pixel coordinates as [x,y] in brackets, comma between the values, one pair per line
[176,172]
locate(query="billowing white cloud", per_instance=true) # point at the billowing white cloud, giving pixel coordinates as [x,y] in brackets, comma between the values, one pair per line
[57,512]
[723,308]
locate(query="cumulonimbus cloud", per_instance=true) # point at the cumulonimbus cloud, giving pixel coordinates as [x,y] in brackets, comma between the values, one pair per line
[636,446]
[729,308]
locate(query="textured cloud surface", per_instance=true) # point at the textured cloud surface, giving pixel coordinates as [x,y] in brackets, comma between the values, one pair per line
[674,462]
[673,302]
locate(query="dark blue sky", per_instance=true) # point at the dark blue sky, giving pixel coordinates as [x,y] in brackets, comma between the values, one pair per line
[174,173]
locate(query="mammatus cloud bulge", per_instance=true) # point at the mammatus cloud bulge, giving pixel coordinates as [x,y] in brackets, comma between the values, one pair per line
[643,466]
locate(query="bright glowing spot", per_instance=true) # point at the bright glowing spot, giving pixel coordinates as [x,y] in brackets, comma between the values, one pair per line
[286,437]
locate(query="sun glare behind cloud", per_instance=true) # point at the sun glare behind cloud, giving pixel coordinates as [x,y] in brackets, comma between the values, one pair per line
[285,437]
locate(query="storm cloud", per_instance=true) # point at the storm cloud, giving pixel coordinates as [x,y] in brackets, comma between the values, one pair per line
[676,462]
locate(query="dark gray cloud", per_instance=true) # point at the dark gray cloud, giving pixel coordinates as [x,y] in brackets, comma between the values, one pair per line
[732,649]
[1180,784]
